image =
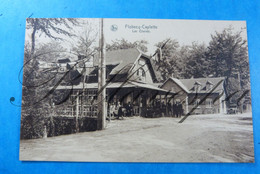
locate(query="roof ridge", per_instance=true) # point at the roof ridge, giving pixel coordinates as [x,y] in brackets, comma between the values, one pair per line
[202,78]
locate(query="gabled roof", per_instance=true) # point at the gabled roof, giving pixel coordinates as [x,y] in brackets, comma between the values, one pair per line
[189,83]
[178,82]
[123,58]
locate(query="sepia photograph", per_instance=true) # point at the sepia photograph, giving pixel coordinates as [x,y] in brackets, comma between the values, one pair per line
[136,90]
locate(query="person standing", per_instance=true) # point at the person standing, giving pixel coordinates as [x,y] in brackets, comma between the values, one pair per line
[120,110]
[163,109]
[178,109]
[174,109]
[129,109]
[111,110]
[169,108]
[181,109]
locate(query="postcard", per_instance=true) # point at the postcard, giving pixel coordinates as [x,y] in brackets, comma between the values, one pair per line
[136,90]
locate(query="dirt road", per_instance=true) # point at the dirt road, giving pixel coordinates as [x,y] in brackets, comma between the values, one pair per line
[200,138]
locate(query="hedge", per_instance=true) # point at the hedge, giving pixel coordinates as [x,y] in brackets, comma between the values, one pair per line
[33,126]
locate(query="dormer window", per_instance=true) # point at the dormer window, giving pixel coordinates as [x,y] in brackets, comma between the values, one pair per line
[197,86]
[141,62]
[209,85]
[141,74]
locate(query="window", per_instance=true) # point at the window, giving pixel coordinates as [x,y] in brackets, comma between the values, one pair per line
[209,85]
[177,100]
[141,62]
[197,103]
[209,103]
[197,86]
[141,74]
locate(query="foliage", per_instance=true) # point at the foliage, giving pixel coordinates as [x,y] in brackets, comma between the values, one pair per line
[169,60]
[51,27]
[197,61]
[228,58]
[36,83]
[225,56]
[124,44]
[32,128]
[86,42]
[228,53]
[50,52]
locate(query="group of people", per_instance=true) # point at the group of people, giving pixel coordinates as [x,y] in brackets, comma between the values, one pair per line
[175,109]
[118,110]
[169,109]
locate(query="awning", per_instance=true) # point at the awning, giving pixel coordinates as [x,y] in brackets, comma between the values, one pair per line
[114,85]
[151,87]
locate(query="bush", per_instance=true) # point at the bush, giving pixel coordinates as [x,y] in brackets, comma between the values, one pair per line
[32,126]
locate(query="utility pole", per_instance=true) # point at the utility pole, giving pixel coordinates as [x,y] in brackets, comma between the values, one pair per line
[101,120]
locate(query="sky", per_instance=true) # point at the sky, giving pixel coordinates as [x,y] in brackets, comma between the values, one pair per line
[184,31]
[151,30]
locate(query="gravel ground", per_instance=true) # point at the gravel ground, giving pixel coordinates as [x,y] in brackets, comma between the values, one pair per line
[200,138]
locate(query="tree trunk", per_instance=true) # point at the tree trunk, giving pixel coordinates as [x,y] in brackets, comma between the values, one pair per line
[33,36]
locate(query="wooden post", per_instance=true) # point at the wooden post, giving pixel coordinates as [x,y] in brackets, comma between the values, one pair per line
[140,104]
[101,120]
[83,93]
[161,105]
[166,106]
[187,104]
[132,102]
[77,112]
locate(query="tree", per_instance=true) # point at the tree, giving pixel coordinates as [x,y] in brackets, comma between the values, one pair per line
[124,44]
[33,112]
[85,46]
[50,52]
[197,63]
[228,53]
[168,60]
[51,27]
[85,49]
[228,56]
[34,81]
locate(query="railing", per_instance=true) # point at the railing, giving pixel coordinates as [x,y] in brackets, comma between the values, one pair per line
[71,111]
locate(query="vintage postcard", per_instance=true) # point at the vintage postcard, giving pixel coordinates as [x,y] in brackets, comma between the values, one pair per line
[136,90]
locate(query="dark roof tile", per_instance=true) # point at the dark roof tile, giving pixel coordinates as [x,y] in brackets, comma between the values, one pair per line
[189,83]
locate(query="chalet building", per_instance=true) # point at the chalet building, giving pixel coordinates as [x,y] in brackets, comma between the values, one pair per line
[198,95]
[181,92]
[131,78]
